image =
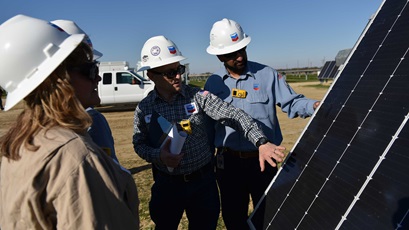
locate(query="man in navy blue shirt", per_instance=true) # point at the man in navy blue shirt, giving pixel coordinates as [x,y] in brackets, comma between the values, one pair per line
[99,131]
[256,89]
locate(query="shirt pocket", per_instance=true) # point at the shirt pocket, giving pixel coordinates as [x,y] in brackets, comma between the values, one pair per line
[257,104]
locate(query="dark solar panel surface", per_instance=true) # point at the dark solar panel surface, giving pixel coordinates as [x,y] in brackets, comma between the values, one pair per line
[328,71]
[350,168]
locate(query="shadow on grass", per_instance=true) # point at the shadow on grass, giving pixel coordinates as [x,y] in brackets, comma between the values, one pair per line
[318,86]
[140,169]
[116,108]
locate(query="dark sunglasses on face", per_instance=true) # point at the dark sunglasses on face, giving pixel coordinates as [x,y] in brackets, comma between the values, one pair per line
[89,69]
[234,54]
[172,74]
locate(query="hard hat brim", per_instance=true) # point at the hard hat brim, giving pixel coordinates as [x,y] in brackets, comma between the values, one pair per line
[159,64]
[72,28]
[230,49]
[26,86]
[97,54]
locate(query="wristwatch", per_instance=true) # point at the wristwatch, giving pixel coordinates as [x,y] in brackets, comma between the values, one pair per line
[261,141]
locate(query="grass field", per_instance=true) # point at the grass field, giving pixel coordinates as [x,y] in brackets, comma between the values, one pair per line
[120,119]
[291,129]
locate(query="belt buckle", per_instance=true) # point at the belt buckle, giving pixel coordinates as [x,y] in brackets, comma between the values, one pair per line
[242,155]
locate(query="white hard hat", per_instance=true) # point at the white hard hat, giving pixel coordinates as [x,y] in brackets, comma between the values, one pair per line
[72,28]
[226,37]
[159,51]
[30,50]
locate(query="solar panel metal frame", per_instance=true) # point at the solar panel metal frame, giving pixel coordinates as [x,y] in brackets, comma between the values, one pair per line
[367,185]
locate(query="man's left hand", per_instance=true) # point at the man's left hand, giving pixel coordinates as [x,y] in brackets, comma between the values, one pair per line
[270,151]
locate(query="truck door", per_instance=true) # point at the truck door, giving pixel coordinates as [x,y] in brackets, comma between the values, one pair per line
[106,88]
[128,88]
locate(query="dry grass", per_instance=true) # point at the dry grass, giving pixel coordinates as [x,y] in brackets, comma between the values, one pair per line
[120,119]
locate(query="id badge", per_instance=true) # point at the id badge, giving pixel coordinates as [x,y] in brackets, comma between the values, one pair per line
[220,161]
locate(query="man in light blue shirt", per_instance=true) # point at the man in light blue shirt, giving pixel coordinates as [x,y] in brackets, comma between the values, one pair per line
[257,89]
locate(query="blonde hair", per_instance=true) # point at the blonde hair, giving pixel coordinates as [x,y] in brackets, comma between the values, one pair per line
[52,103]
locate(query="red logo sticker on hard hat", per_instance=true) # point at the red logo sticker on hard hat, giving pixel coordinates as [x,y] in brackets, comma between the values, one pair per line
[191,108]
[234,37]
[172,49]
[155,51]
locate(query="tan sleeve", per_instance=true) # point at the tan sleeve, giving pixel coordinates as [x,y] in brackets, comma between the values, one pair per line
[69,183]
[98,195]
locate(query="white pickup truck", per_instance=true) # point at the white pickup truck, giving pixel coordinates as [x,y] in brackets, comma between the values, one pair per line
[121,85]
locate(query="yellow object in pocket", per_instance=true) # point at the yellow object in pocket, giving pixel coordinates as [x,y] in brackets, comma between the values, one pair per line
[185,124]
[239,93]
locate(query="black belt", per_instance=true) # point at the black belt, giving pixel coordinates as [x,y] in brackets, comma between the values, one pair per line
[186,177]
[240,154]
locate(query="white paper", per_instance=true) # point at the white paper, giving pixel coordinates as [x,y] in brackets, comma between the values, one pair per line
[177,139]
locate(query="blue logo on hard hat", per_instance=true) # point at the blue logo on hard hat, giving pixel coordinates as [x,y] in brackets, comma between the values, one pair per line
[234,37]
[172,49]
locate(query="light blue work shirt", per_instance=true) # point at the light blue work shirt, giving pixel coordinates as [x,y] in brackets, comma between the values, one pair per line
[265,89]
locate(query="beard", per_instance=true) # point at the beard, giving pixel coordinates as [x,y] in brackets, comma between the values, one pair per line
[237,67]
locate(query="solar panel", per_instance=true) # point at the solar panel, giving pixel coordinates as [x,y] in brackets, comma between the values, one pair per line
[350,167]
[324,69]
[328,71]
[333,73]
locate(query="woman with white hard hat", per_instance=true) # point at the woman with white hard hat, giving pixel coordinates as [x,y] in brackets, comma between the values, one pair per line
[53,176]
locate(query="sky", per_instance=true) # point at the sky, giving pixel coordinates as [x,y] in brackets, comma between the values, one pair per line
[285,33]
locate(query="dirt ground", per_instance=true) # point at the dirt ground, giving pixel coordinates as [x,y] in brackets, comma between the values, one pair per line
[120,119]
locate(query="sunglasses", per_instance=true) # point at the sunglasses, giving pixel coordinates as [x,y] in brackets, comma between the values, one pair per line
[172,74]
[234,54]
[89,69]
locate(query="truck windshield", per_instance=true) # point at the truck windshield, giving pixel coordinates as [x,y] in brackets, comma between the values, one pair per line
[139,76]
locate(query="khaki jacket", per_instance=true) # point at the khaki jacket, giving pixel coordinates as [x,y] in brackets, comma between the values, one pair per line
[69,183]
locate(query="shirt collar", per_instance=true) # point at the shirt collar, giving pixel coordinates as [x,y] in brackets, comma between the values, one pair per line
[156,95]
